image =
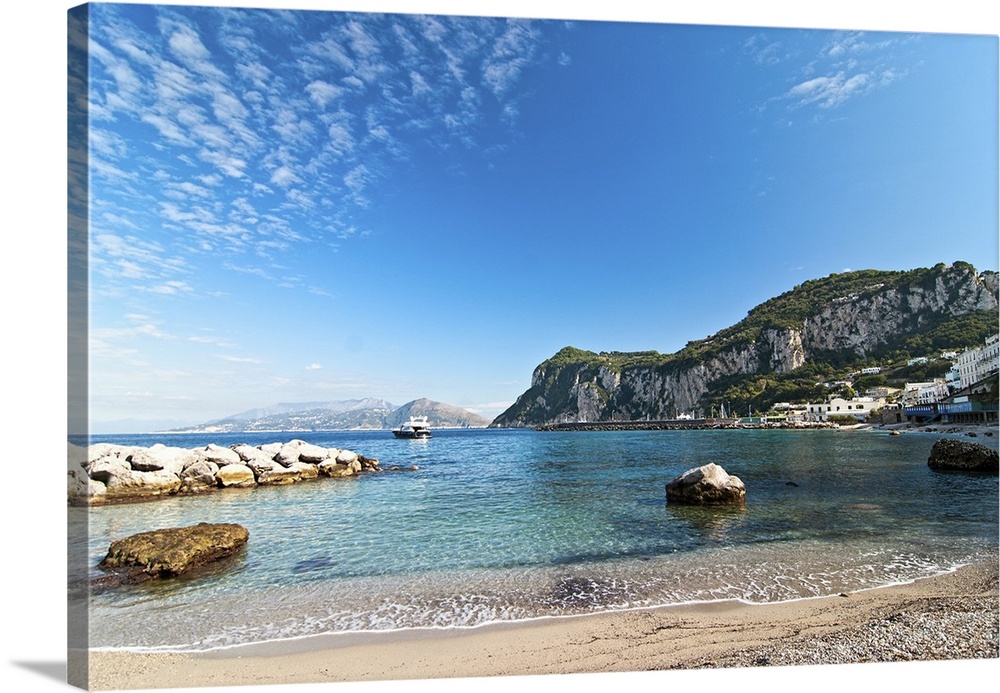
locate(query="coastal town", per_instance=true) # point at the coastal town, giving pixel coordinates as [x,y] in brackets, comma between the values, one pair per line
[961,395]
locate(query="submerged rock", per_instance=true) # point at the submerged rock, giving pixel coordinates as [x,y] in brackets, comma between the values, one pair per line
[706,485]
[174,551]
[959,455]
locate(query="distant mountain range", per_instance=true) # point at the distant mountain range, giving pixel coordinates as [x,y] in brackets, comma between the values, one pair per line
[367,413]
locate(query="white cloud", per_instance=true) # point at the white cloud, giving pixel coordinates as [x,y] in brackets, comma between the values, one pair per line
[168,128]
[322,92]
[341,140]
[313,367]
[171,288]
[512,52]
[830,91]
[186,45]
[239,359]
[285,176]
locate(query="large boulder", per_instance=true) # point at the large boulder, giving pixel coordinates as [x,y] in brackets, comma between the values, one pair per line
[289,453]
[346,457]
[121,483]
[278,476]
[235,476]
[706,485]
[161,457]
[174,551]
[82,490]
[199,476]
[259,461]
[314,454]
[369,463]
[219,455]
[335,469]
[960,455]
[304,470]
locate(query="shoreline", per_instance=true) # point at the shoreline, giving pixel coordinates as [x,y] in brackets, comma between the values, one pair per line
[949,616]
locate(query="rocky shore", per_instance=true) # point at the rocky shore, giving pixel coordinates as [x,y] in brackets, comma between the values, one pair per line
[109,473]
[957,623]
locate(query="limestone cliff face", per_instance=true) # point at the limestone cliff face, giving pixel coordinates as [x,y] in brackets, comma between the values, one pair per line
[579,386]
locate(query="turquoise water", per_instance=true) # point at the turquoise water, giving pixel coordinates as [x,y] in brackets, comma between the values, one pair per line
[518,524]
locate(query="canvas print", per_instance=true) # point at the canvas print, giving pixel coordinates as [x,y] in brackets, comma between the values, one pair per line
[415,346]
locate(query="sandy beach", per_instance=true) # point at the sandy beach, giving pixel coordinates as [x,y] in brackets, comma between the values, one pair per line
[949,617]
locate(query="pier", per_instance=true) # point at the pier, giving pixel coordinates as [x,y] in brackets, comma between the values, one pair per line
[657,425]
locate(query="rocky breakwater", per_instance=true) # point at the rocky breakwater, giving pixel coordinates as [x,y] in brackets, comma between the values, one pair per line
[109,473]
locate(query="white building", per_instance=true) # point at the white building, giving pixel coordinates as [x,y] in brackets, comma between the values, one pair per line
[858,407]
[975,364]
[954,378]
[930,392]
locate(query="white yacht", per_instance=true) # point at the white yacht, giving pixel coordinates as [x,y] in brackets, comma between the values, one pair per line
[416,427]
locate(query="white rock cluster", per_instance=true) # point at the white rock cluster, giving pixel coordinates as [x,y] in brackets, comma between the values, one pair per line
[109,473]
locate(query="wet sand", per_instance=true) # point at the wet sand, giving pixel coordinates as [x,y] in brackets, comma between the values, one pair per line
[949,617]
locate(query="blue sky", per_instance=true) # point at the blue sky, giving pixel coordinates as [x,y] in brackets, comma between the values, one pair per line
[319,206]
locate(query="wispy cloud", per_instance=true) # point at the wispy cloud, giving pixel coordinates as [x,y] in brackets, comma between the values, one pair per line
[266,131]
[828,92]
[827,75]
[239,359]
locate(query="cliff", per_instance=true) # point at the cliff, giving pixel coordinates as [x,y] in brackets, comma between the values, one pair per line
[843,319]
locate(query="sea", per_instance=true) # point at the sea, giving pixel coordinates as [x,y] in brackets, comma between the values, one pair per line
[500,525]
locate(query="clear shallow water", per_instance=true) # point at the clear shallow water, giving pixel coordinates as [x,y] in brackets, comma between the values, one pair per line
[516,524]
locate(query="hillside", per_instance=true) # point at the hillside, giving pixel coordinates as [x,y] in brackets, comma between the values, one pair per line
[777,353]
[373,414]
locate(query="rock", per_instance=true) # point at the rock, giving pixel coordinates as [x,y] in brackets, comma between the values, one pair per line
[199,476]
[346,457]
[959,455]
[99,451]
[160,457]
[369,463]
[108,462]
[271,449]
[235,476]
[304,469]
[130,485]
[333,469]
[706,485]
[278,476]
[219,455]
[314,454]
[289,453]
[174,551]
[82,490]
[258,460]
